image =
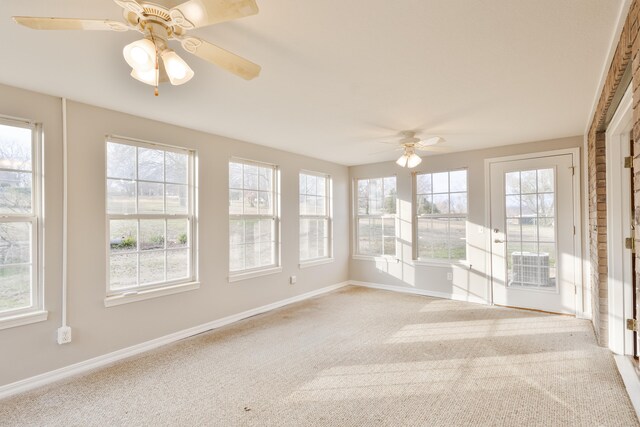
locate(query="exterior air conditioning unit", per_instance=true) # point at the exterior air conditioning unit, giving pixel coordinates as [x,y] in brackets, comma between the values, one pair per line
[530,269]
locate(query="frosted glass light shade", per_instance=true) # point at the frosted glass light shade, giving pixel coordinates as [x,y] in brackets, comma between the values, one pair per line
[148,77]
[402,161]
[413,161]
[177,69]
[140,55]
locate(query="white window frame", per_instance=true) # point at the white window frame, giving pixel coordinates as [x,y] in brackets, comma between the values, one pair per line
[35,312]
[417,217]
[141,292]
[356,217]
[276,267]
[328,217]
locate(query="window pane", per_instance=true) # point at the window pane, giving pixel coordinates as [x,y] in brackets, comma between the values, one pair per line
[235,175]
[265,178]
[235,202]
[123,271]
[177,199]
[365,245]
[150,164]
[15,148]
[457,238]
[425,205]
[123,235]
[250,204]
[425,244]
[266,254]
[176,167]
[321,205]
[15,287]
[264,203]
[152,234]
[15,192]
[15,243]
[512,206]
[152,267]
[545,181]
[441,182]
[363,188]
[121,161]
[322,185]
[423,184]
[150,197]
[266,231]
[441,203]
[250,177]
[458,180]
[178,264]
[177,233]
[121,196]
[529,205]
[236,258]
[458,203]
[251,255]
[236,232]
[546,205]
[390,195]
[512,183]
[528,182]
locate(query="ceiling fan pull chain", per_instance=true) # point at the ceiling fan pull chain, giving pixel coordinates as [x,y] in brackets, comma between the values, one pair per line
[155,46]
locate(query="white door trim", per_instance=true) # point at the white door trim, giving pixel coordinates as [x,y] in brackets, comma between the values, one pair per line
[619,292]
[577,237]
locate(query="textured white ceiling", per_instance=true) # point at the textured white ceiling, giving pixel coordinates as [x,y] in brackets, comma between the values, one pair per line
[339,76]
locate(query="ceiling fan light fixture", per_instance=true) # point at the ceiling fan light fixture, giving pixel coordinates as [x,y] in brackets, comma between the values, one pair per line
[177,69]
[140,55]
[402,161]
[413,161]
[148,77]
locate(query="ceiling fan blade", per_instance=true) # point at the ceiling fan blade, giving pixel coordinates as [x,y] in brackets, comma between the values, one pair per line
[220,57]
[432,149]
[38,23]
[431,141]
[200,13]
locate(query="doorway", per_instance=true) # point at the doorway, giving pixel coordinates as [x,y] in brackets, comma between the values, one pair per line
[533,220]
[620,229]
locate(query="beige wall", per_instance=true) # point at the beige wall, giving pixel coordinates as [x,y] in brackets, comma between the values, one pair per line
[468,282]
[32,349]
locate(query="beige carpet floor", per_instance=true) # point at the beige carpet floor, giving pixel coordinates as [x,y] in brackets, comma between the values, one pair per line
[355,357]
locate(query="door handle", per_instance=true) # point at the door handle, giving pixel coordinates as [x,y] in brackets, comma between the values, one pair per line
[498,241]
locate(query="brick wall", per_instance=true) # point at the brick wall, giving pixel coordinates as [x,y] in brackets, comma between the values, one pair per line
[626,51]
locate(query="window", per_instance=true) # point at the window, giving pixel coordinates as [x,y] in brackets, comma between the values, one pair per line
[375,219]
[20,281]
[253,217]
[315,217]
[441,215]
[150,214]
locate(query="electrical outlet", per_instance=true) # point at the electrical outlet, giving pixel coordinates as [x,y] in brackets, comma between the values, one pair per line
[449,276]
[64,335]
[293,280]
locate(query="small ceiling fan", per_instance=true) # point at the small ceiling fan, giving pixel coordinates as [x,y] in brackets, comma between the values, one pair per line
[151,59]
[409,144]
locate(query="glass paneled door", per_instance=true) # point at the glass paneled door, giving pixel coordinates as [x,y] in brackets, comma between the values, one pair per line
[532,233]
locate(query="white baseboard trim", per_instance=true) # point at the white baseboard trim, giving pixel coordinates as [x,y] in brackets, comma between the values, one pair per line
[106,359]
[417,291]
[630,379]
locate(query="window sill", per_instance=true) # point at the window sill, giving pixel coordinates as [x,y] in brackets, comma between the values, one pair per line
[23,319]
[376,258]
[443,263]
[133,296]
[313,263]
[250,275]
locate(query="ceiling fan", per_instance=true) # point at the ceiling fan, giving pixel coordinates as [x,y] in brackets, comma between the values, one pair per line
[409,144]
[151,59]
